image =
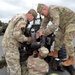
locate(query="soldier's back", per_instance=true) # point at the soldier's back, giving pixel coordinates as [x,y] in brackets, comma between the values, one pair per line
[37,66]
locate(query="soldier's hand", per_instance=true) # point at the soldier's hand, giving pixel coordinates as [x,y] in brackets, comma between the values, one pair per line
[39,34]
[29,40]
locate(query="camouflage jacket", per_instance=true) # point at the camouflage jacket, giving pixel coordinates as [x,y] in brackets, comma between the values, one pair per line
[13,34]
[61,17]
[37,66]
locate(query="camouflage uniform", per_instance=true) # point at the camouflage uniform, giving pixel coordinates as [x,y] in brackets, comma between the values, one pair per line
[38,66]
[10,43]
[63,19]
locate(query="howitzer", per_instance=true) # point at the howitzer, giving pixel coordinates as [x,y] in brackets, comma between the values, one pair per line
[27,49]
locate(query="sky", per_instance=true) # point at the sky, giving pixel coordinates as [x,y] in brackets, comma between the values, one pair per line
[9,8]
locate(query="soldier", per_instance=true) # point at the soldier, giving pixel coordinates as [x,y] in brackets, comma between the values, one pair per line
[63,19]
[12,37]
[37,65]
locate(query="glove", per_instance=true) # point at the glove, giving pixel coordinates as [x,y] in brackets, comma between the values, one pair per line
[29,40]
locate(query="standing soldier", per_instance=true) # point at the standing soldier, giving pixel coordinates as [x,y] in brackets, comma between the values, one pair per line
[12,37]
[63,19]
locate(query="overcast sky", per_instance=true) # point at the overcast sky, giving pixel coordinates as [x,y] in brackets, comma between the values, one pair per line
[9,8]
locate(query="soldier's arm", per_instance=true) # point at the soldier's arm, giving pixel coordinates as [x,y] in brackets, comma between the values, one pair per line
[44,23]
[55,23]
[18,33]
[42,27]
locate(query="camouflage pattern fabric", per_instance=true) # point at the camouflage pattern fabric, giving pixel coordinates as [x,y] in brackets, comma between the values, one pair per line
[43,52]
[10,43]
[37,66]
[13,64]
[24,68]
[63,19]
[67,39]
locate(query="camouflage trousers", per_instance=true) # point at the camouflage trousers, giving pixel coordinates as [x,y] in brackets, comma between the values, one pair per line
[12,59]
[65,38]
[24,68]
[37,66]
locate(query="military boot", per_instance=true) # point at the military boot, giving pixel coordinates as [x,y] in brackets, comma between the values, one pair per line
[54,54]
[69,62]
